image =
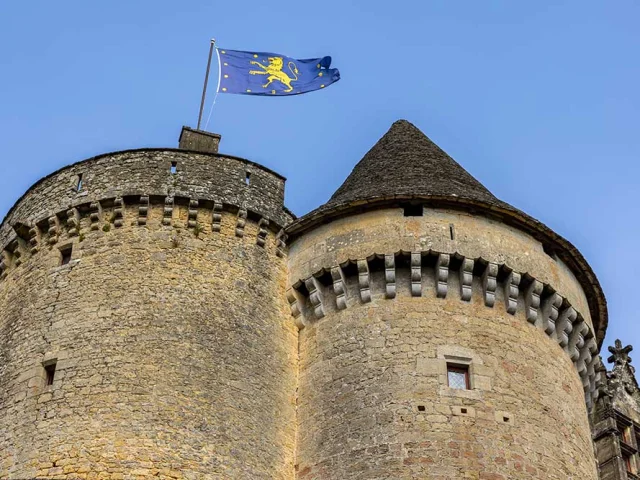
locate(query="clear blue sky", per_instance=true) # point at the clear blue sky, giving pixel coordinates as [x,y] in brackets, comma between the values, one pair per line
[538,100]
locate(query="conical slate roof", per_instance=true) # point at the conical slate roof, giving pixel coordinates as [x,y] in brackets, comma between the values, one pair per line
[405,162]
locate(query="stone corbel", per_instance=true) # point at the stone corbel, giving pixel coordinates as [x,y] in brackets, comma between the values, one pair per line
[294,299]
[34,239]
[390,276]
[95,215]
[143,210]
[442,275]
[118,212]
[416,274]
[550,312]
[262,232]
[281,243]
[577,339]
[489,284]
[532,300]
[167,210]
[466,279]
[73,222]
[564,327]
[54,229]
[15,248]
[241,222]
[339,287]
[216,217]
[364,281]
[315,296]
[511,291]
[192,214]
[585,359]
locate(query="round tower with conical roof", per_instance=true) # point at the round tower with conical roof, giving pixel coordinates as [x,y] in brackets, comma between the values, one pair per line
[443,333]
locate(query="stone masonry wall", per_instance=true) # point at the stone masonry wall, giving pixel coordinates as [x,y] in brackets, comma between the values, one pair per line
[386,301]
[374,401]
[175,357]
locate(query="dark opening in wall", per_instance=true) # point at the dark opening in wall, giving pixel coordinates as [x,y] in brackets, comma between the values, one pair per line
[463,410]
[50,372]
[79,184]
[505,419]
[412,210]
[174,167]
[549,250]
[421,408]
[65,254]
[452,231]
[247,178]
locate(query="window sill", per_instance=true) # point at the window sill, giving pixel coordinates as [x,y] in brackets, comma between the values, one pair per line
[473,394]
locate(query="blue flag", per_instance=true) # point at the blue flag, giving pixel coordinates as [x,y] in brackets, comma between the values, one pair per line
[256,73]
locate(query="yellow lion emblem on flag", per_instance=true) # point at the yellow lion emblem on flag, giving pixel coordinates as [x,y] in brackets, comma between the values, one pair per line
[276,72]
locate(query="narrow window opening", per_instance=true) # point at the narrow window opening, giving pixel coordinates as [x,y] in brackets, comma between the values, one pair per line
[505,419]
[174,167]
[458,376]
[626,433]
[247,178]
[452,231]
[65,255]
[628,463]
[463,410]
[421,408]
[413,210]
[50,372]
[79,184]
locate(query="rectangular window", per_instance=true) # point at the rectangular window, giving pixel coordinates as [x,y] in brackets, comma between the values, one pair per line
[458,376]
[625,432]
[174,167]
[79,184]
[50,372]
[247,178]
[65,254]
[628,462]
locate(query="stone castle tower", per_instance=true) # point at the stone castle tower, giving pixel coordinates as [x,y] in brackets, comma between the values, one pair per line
[163,315]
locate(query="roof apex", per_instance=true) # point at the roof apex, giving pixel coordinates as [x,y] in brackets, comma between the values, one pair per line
[406,162]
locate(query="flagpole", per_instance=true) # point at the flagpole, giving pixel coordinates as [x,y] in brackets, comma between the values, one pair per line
[206,80]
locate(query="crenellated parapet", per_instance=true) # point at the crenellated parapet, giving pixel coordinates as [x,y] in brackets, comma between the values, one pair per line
[430,273]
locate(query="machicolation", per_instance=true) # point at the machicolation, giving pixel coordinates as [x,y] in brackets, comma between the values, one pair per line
[127,186]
